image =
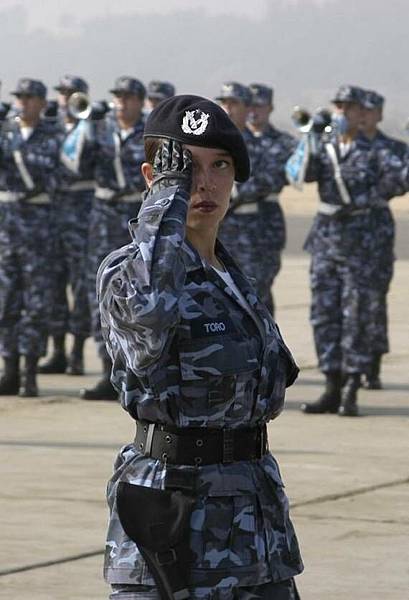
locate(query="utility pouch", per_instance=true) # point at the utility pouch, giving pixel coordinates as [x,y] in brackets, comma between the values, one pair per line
[158,521]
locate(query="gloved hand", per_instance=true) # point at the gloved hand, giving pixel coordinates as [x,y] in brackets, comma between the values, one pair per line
[172,166]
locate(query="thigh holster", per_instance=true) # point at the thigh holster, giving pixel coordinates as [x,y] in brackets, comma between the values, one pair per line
[158,521]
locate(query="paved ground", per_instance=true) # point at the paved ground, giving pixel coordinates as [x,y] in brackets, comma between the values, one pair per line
[347,479]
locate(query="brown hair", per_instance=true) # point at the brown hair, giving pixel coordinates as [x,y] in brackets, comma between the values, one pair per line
[152,145]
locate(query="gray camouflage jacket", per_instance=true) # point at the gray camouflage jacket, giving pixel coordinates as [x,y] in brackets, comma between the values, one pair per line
[157,300]
[371,173]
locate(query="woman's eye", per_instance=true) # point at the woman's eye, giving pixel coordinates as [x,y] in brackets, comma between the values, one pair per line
[221,164]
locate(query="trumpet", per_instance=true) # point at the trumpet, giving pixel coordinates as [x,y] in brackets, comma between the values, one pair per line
[318,122]
[79,106]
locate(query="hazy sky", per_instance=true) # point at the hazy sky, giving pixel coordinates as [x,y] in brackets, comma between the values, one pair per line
[303,48]
[53,14]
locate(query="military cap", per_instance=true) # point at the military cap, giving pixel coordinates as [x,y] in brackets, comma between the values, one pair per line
[197,121]
[235,90]
[373,100]
[72,82]
[261,95]
[160,90]
[30,87]
[129,85]
[349,93]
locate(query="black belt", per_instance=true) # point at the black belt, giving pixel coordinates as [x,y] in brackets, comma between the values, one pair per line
[199,446]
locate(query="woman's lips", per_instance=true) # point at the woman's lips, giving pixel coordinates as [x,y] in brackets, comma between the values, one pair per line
[205,206]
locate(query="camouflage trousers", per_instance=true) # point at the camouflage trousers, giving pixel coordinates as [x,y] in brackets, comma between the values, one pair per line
[71,218]
[25,280]
[345,307]
[108,230]
[284,590]
[385,259]
[255,241]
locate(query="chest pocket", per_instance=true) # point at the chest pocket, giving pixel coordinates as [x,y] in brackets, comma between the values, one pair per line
[218,374]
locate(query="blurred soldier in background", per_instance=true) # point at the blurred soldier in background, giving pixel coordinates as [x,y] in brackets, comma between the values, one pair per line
[119,154]
[371,117]
[158,91]
[72,208]
[355,178]
[280,146]
[29,155]
[254,229]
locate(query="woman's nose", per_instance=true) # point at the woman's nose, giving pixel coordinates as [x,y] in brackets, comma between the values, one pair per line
[203,180]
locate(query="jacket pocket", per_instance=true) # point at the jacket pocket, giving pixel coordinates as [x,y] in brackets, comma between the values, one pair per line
[213,378]
[227,532]
[281,540]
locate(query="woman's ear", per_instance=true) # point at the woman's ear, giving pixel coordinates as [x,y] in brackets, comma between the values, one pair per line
[147,172]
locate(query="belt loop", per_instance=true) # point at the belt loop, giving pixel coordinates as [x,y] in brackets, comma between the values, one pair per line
[149,439]
[228,446]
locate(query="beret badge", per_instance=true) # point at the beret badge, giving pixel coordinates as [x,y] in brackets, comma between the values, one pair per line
[193,125]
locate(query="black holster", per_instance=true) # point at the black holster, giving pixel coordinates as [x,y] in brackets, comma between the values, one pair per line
[158,521]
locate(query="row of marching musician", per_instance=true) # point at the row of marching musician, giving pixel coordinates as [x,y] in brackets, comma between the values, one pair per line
[70,181]
[358,170]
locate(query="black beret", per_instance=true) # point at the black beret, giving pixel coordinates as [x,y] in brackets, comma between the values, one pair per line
[197,121]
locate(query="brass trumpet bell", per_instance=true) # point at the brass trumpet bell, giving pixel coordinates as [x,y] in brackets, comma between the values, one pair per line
[79,105]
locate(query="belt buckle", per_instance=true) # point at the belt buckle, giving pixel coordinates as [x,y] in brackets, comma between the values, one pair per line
[228,446]
[149,439]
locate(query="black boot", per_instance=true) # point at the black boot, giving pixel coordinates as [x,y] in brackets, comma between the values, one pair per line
[349,396]
[103,390]
[372,378]
[76,359]
[10,380]
[29,387]
[57,363]
[330,400]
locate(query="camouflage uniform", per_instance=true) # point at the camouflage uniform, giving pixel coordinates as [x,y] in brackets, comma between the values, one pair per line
[156,298]
[72,208]
[117,200]
[350,269]
[26,232]
[386,241]
[254,229]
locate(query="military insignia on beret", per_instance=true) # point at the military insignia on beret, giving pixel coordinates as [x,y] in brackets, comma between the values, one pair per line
[193,125]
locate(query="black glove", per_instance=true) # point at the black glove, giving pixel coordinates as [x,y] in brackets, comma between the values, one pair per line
[172,166]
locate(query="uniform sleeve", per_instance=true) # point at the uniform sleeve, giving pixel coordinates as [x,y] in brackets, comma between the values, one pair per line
[139,286]
[393,174]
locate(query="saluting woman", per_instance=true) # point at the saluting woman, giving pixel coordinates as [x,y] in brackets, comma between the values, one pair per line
[197,503]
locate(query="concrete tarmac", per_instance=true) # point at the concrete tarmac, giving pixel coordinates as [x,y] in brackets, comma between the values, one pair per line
[347,479]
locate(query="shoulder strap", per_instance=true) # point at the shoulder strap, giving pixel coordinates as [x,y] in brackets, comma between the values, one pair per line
[342,189]
[22,169]
[119,172]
